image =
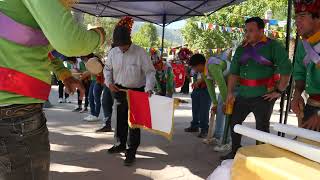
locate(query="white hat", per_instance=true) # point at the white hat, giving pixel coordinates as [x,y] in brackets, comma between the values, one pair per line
[94,66]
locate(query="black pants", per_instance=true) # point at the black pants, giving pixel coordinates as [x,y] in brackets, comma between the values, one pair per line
[309,111]
[24,143]
[61,86]
[185,87]
[122,121]
[262,110]
[87,88]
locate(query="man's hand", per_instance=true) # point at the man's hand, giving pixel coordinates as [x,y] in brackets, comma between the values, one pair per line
[150,93]
[230,98]
[272,96]
[195,85]
[297,104]
[72,84]
[214,109]
[313,123]
[113,88]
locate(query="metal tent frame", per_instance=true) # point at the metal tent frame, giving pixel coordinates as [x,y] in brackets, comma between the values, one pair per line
[182,9]
[109,8]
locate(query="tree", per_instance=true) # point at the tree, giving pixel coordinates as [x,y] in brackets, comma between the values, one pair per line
[108,24]
[146,36]
[234,16]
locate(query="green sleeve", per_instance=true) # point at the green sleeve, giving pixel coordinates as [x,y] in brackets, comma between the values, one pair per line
[299,71]
[194,78]
[281,59]
[169,84]
[211,90]
[57,67]
[235,65]
[158,85]
[216,72]
[62,31]
[82,67]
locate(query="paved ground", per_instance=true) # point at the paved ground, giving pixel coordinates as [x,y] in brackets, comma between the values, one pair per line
[80,154]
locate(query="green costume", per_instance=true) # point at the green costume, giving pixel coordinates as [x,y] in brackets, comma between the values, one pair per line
[57,24]
[79,65]
[215,74]
[274,52]
[309,73]
[164,80]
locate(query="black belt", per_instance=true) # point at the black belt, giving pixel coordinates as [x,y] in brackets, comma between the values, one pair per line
[134,89]
[19,110]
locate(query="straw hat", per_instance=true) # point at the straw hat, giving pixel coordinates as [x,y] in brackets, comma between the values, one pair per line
[94,66]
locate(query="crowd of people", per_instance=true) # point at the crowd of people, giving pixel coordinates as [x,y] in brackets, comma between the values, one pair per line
[249,82]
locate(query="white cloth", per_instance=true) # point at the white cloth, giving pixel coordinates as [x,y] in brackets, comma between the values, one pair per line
[132,69]
[222,172]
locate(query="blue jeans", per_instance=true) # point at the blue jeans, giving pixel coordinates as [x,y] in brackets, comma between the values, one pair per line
[107,103]
[220,120]
[95,98]
[201,103]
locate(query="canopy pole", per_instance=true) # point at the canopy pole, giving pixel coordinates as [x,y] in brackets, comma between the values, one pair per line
[288,94]
[290,87]
[164,22]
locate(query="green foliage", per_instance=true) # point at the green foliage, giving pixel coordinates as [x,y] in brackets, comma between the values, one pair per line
[233,16]
[108,24]
[146,36]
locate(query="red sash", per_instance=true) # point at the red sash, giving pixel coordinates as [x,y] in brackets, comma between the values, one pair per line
[315,97]
[23,84]
[268,82]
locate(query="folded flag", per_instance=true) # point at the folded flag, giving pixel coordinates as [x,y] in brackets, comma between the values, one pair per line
[155,113]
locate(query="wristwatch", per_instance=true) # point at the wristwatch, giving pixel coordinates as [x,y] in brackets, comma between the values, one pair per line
[279,91]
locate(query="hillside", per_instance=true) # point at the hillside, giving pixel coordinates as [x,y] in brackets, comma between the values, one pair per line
[172,35]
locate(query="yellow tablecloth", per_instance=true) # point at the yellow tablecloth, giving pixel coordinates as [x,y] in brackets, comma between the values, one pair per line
[267,162]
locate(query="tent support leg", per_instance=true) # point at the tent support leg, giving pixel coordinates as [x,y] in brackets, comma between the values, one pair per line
[163,31]
[289,89]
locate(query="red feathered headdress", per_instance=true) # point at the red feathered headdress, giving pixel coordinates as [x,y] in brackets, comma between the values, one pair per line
[311,6]
[127,22]
[184,54]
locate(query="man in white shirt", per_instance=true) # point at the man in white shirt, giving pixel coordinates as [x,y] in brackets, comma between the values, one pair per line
[128,67]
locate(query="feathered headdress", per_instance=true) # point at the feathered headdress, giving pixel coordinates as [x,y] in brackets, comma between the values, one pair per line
[127,22]
[184,54]
[68,3]
[311,6]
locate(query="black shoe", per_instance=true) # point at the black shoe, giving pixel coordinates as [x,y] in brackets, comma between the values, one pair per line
[130,158]
[77,109]
[117,149]
[230,155]
[106,128]
[191,129]
[203,134]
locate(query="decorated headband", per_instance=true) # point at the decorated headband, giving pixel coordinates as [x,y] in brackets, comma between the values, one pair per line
[68,3]
[127,22]
[184,54]
[311,6]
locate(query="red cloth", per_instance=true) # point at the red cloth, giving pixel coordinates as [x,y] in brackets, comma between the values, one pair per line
[179,74]
[139,109]
[315,97]
[19,83]
[269,82]
[100,78]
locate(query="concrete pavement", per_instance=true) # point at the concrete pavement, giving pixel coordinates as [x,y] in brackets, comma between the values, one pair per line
[78,153]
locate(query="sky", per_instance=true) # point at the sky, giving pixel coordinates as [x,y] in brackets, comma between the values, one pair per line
[177,25]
